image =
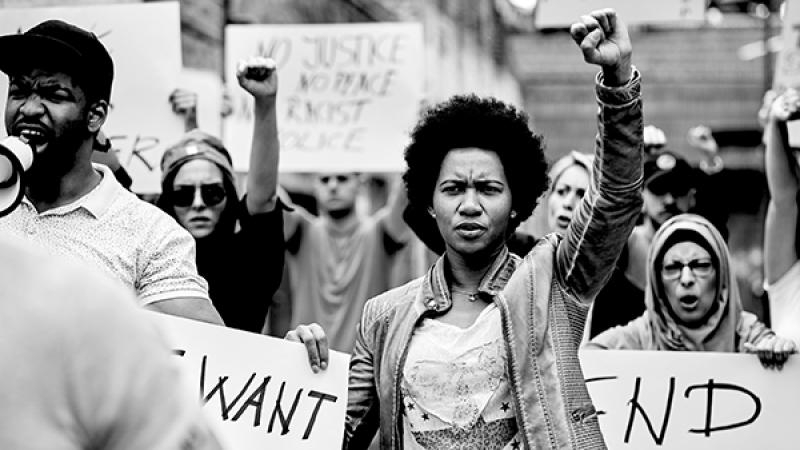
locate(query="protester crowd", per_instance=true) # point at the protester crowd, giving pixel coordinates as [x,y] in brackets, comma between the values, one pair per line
[463,329]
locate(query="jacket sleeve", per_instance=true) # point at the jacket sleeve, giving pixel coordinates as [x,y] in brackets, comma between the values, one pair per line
[594,240]
[363,409]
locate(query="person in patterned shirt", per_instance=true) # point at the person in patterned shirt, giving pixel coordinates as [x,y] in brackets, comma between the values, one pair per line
[60,79]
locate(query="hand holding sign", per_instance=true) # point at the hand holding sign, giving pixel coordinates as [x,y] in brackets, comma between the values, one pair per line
[774,352]
[258,76]
[316,342]
[604,41]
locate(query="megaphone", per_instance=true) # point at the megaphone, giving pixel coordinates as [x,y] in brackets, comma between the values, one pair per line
[16,157]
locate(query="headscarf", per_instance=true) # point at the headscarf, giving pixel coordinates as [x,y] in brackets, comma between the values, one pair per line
[718,333]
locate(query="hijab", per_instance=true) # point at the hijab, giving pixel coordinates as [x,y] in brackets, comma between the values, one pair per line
[718,333]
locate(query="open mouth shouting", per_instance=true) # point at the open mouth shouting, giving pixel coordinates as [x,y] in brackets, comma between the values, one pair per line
[36,135]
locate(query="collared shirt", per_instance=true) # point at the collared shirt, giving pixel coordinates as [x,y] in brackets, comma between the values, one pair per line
[110,228]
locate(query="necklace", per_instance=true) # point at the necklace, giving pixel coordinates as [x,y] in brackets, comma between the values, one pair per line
[471,296]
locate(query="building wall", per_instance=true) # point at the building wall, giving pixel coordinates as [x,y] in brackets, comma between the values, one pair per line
[689,77]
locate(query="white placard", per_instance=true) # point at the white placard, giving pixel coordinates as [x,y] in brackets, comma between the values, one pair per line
[692,400]
[144,42]
[562,13]
[259,391]
[348,93]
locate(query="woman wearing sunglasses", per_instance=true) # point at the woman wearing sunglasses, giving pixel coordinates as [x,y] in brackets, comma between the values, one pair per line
[692,300]
[199,191]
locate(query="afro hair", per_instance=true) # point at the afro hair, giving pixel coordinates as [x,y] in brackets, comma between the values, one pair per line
[466,121]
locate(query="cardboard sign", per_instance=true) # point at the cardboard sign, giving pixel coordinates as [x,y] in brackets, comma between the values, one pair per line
[144,42]
[348,93]
[563,13]
[697,400]
[260,391]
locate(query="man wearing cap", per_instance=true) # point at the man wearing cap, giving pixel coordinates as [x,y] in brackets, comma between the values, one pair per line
[60,80]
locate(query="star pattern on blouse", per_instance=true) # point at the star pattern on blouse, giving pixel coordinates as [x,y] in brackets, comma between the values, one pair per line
[410,406]
[515,444]
[425,416]
[505,407]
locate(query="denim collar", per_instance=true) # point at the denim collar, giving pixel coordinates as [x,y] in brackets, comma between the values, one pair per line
[435,296]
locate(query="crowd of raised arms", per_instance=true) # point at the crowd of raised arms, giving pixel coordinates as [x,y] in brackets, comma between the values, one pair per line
[430,292]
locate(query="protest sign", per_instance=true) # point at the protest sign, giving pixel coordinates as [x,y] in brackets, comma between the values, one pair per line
[698,400]
[562,13]
[260,391]
[348,93]
[144,42]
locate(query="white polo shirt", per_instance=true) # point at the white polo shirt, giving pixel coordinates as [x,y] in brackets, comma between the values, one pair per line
[111,228]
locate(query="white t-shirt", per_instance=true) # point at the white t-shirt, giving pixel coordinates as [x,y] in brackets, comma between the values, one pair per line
[455,388]
[111,229]
[784,304]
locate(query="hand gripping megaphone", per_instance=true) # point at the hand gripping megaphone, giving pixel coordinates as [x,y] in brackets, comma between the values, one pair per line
[16,158]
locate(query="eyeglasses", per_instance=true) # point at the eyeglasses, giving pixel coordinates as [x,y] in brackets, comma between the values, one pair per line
[212,194]
[700,268]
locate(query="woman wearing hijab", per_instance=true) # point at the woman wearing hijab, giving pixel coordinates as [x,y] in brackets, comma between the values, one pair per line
[243,266]
[692,300]
[482,351]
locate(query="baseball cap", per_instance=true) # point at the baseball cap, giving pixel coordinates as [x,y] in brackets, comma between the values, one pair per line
[55,43]
[668,172]
[196,144]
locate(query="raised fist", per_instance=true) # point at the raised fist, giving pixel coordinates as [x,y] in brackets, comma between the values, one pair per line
[184,103]
[786,106]
[258,76]
[603,39]
[700,137]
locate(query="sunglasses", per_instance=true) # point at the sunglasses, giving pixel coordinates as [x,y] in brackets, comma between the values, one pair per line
[211,194]
[700,268]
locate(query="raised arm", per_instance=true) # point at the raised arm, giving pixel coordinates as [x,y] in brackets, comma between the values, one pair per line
[782,180]
[607,214]
[393,220]
[258,77]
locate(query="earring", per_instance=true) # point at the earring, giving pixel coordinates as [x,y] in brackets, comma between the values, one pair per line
[513,214]
[432,212]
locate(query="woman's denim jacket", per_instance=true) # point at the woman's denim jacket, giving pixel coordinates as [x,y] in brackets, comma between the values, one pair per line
[543,300]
